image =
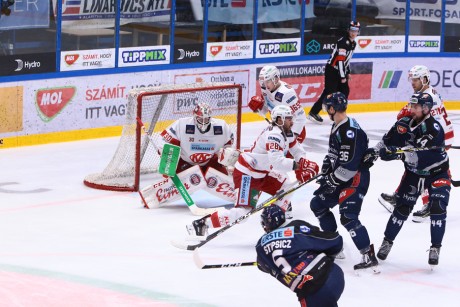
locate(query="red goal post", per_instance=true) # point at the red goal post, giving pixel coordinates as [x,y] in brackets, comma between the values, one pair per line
[158,107]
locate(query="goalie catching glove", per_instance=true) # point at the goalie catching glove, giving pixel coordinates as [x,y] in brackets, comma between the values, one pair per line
[306,169]
[228,156]
[256,104]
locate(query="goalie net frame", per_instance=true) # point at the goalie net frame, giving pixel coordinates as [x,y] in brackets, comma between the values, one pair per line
[141,140]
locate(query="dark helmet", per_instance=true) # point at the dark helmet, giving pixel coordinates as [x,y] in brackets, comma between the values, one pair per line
[271,218]
[337,101]
[422,99]
[354,26]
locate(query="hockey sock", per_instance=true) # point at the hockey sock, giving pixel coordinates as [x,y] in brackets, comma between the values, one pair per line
[396,221]
[357,232]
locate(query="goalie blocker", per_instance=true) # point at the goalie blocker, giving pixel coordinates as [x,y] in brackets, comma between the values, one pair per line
[164,191]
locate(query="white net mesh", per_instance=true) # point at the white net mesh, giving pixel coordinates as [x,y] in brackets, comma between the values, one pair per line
[161,106]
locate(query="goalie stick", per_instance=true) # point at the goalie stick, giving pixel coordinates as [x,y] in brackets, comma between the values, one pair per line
[168,164]
[266,203]
[199,263]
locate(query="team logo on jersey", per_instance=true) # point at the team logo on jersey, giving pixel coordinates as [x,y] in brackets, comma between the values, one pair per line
[436,126]
[200,157]
[212,182]
[304,229]
[202,147]
[218,130]
[350,134]
[195,179]
[401,129]
[244,190]
[190,129]
[191,139]
[279,96]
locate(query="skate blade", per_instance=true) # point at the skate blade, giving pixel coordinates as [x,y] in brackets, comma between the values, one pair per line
[419,219]
[386,205]
[373,269]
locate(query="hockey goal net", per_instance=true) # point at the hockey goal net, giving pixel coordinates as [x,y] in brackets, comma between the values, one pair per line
[158,107]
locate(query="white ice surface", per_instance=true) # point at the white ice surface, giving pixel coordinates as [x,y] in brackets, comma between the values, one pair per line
[61,242]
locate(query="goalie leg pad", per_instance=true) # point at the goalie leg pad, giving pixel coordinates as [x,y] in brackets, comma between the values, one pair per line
[164,191]
[220,185]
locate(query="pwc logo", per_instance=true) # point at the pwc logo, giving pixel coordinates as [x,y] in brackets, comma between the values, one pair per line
[71,58]
[364,42]
[51,101]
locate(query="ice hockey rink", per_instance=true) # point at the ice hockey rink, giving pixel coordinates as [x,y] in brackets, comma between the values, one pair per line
[64,244]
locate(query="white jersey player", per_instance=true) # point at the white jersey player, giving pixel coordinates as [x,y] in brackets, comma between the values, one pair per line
[276,92]
[200,138]
[263,169]
[419,77]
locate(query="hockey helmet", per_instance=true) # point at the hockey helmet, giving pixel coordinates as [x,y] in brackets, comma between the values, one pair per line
[271,218]
[337,101]
[269,73]
[419,72]
[282,111]
[423,99]
[354,26]
[202,116]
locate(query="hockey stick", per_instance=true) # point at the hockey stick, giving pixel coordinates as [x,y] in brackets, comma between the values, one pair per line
[199,263]
[266,203]
[168,164]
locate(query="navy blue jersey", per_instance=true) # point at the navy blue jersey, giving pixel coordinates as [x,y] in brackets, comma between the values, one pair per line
[347,144]
[298,254]
[428,133]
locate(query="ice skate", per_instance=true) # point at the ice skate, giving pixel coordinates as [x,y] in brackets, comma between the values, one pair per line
[198,229]
[369,261]
[316,118]
[388,201]
[384,249]
[433,257]
[421,215]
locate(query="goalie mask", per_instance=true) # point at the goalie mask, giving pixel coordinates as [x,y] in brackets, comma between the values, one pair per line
[269,73]
[271,218]
[202,116]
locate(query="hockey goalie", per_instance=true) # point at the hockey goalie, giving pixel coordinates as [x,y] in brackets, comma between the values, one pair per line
[205,162]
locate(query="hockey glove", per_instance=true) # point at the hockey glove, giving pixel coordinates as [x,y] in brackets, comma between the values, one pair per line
[404,112]
[389,153]
[329,184]
[256,104]
[306,170]
[327,165]
[370,156]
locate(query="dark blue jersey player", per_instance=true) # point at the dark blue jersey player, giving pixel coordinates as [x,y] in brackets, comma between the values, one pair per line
[301,257]
[423,169]
[345,179]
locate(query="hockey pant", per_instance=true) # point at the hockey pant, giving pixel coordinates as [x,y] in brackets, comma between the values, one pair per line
[329,294]
[349,198]
[247,190]
[409,190]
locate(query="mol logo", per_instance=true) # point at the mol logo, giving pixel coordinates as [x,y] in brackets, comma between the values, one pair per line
[215,50]
[51,101]
[71,58]
[278,48]
[390,79]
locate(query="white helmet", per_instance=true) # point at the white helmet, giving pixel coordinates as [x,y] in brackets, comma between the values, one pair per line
[418,72]
[202,115]
[269,73]
[282,111]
